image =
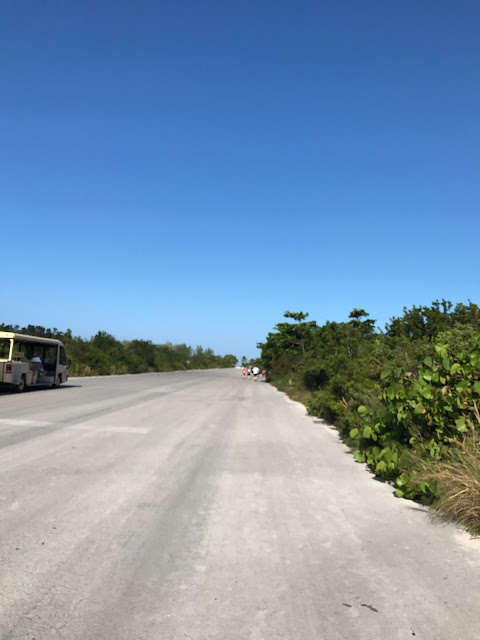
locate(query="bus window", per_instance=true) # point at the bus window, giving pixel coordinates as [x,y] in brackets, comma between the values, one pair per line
[4,348]
[20,349]
[50,358]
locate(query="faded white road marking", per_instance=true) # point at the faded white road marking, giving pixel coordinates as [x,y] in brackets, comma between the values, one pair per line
[24,423]
[83,427]
[127,429]
[110,428]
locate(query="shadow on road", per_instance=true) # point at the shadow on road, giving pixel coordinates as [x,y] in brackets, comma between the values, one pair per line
[13,392]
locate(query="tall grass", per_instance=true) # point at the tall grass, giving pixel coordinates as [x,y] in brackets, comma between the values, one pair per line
[456,481]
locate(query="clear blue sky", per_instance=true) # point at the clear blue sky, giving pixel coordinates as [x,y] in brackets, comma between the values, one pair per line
[188,171]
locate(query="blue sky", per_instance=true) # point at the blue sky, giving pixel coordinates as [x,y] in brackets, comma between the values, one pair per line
[187,172]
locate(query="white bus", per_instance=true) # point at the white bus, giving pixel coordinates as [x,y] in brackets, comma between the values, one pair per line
[28,361]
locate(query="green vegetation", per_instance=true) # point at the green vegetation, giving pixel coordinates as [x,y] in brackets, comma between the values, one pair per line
[405,400]
[104,355]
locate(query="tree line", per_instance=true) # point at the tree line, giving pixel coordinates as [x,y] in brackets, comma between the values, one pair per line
[103,354]
[405,398]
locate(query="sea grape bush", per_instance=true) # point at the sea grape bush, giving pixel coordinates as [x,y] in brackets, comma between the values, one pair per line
[411,391]
[425,411]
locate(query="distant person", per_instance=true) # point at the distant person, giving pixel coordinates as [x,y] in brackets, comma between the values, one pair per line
[244,372]
[255,372]
[37,366]
[264,373]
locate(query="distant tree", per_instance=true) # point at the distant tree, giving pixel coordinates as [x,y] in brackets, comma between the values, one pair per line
[365,327]
[299,316]
[424,322]
[103,354]
[230,360]
[297,336]
[289,338]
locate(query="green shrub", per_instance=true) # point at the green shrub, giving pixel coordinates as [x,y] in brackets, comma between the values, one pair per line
[425,412]
[314,378]
[403,400]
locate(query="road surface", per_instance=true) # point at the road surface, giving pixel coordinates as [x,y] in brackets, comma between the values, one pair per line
[200,505]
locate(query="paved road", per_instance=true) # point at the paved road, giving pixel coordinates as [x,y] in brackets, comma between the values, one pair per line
[199,505]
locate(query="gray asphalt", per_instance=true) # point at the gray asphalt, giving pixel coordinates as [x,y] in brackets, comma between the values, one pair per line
[200,505]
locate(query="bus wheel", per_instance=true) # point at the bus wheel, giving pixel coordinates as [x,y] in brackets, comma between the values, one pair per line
[58,382]
[21,385]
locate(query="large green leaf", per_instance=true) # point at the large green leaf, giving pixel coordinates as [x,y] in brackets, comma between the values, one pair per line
[359,456]
[388,455]
[381,466]
[428,361]
[455,368]
[390,393]
[462,385]
[367,431]
[424,486]
[441,349]
[427,393]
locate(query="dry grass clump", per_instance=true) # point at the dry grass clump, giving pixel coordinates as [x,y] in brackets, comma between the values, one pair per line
[456,479]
